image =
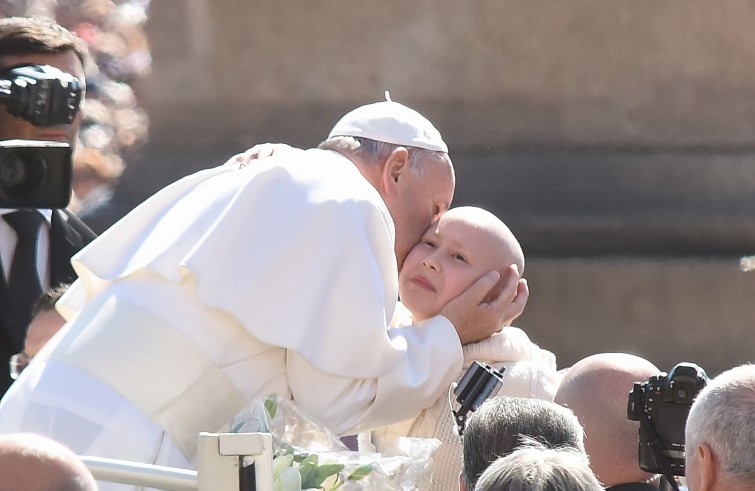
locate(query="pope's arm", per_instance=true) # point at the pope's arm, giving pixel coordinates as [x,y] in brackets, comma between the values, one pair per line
[429,362]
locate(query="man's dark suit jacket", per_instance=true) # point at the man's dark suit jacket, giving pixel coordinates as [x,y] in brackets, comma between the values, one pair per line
[633,486]
[68,235]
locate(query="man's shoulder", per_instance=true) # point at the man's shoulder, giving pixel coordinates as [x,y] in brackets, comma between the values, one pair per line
[633,486]
[68,220]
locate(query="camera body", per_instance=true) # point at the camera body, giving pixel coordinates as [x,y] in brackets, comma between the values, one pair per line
[479,382]
[661,405]
[40,94]
[37,174]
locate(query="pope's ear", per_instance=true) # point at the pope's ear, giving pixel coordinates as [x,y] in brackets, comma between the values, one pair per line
[396,165]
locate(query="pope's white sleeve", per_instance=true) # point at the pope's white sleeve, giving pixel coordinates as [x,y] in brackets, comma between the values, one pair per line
[430,360]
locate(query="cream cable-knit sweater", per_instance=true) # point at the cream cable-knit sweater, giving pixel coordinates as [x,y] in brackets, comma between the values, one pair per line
[530,371]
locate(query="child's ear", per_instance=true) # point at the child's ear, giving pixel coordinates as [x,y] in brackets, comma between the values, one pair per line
[396,165]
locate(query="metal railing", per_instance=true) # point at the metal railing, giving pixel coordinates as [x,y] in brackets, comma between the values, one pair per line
[225,462]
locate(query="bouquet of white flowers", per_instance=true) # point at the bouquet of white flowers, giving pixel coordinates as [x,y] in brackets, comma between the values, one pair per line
[308,456]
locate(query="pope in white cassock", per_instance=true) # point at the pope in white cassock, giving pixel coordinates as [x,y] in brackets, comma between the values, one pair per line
[235,283]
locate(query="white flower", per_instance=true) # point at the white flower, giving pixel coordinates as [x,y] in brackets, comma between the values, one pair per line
[281,463]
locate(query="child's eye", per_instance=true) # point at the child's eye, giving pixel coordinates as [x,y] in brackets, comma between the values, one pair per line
[429,243]
[459,257]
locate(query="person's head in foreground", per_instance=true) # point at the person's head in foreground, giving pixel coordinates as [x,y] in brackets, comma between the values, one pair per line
[535,467]
[35,463]
[502,424]
[597,389]
[720,433]
[404,157]
[45,323]
[464,244]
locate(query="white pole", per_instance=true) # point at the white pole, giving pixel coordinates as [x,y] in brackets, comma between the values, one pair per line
[138,474]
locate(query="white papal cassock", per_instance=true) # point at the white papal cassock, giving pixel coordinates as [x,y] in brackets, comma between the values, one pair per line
[227,285]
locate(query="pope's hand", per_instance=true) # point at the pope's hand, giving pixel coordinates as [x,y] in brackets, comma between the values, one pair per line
[261,151]
[475,318]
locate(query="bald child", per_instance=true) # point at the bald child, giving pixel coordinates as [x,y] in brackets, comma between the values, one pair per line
[461,246]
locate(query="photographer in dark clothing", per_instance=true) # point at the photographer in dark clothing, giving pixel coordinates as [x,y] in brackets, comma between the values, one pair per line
[35,245]
[633,486]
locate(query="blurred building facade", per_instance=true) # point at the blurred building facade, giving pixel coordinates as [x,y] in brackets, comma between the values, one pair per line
[617,139]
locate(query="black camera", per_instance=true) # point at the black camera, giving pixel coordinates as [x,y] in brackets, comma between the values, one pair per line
[40,94]
[35,174]
[661,405]
[479,382]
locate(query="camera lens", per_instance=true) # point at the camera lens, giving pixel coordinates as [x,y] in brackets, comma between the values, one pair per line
[12,172]
[682,394]
[21,172]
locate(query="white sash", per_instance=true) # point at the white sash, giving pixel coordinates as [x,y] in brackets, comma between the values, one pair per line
[154,366]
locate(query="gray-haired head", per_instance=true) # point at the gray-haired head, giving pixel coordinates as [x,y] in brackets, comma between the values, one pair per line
[502,424]
[404,157]
[723,418]
[536,467]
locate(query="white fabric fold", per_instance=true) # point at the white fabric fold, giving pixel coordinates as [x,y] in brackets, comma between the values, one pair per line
[231,284]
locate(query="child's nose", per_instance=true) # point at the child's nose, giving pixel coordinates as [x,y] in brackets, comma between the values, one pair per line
[431,262]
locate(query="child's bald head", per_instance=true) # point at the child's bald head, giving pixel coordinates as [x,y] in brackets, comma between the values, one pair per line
[463,245]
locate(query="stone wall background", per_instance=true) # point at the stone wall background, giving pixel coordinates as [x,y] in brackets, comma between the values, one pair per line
[615,138]
[489,74]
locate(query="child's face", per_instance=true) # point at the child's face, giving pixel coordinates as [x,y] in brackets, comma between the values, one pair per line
[453,253]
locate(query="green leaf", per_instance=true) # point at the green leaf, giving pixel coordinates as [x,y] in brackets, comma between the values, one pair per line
[325,471]
[300,456]
[308,471]
[271,406]
[312,458]
[361,471]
